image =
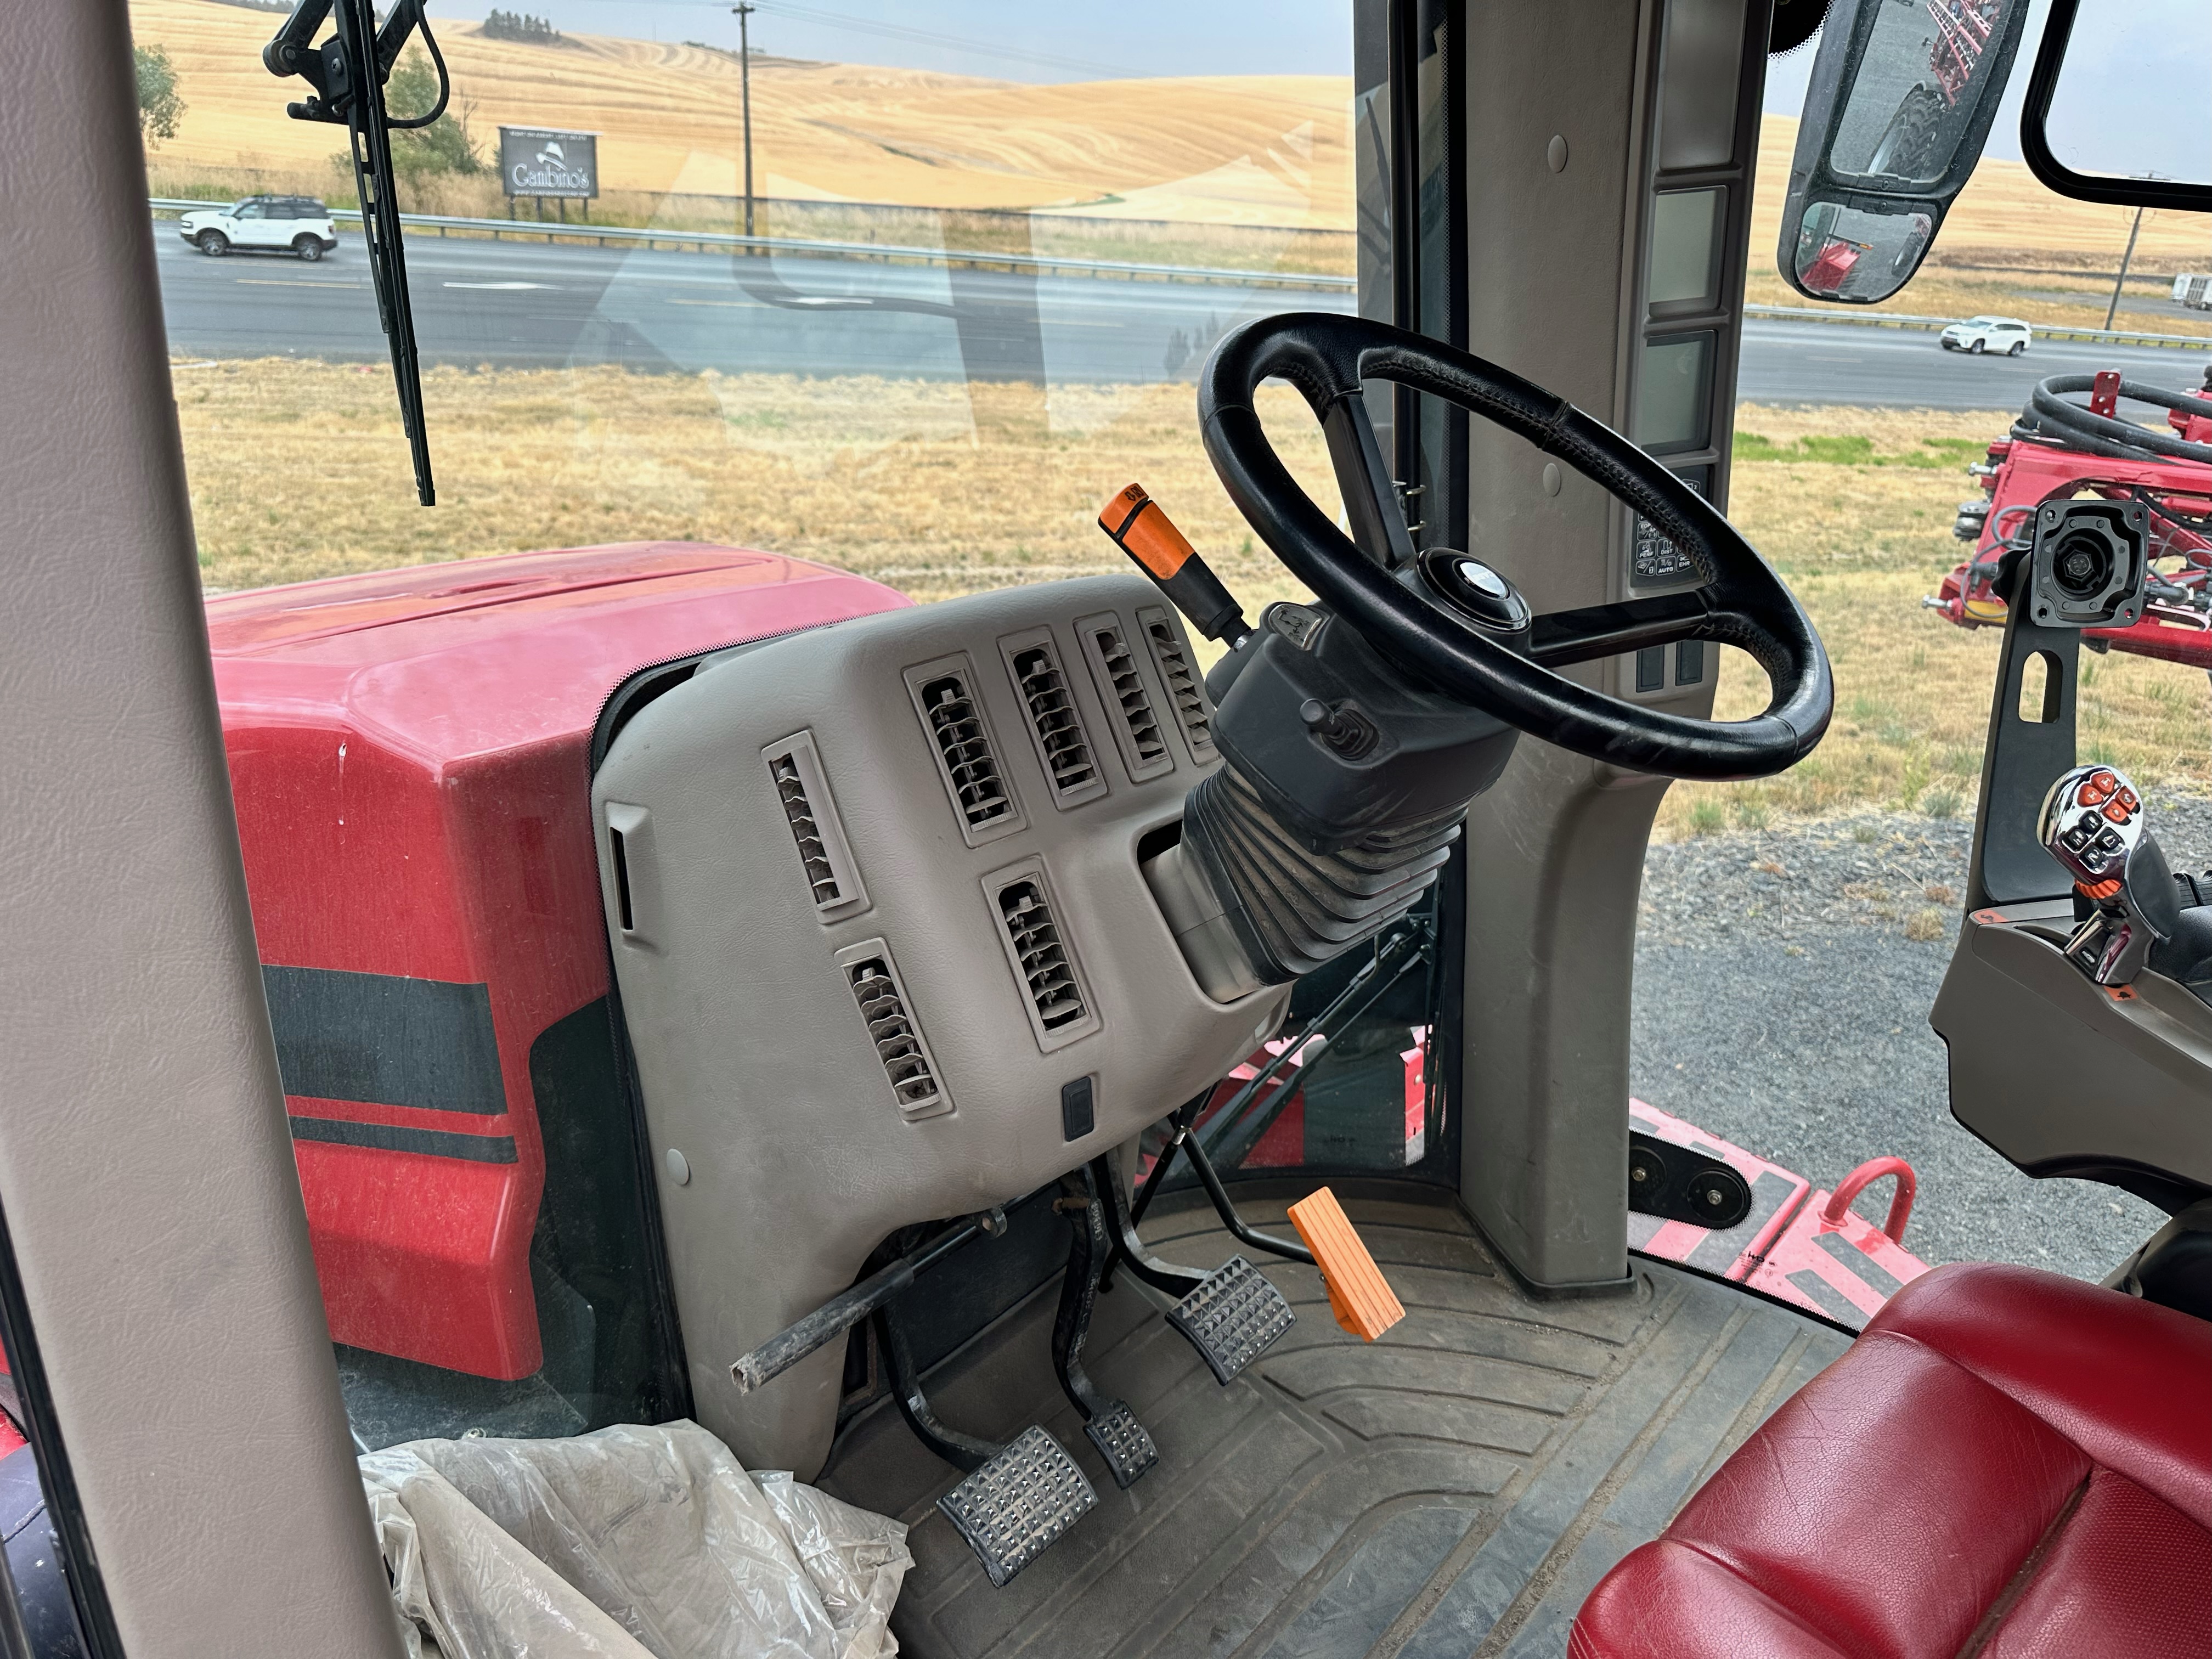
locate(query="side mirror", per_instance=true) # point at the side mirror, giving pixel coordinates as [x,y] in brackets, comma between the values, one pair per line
[2105,119]
[1901,99]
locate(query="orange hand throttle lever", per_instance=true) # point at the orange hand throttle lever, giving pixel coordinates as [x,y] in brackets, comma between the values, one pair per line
[1147,535]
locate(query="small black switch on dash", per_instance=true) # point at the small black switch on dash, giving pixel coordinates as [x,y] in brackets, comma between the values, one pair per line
[1651,668]
[1689,662]
[1076,1116]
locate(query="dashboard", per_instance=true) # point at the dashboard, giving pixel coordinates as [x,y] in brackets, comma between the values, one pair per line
[884,949]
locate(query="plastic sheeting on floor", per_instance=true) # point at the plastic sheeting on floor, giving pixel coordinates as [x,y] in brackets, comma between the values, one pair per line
[628,1542]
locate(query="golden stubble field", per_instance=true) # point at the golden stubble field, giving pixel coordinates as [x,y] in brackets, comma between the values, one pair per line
[1248,150]
[943,489]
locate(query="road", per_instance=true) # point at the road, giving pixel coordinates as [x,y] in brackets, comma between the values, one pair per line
[1792,362]
[519,305]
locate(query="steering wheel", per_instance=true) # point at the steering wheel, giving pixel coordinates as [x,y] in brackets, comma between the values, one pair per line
[1508,672]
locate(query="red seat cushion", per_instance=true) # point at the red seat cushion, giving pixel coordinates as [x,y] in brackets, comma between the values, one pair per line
[2007,1465]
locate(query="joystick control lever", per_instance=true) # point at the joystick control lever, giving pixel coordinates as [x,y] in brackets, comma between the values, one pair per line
[2096,825]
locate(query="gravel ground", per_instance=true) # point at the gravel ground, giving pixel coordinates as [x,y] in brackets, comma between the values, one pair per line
[1783,978]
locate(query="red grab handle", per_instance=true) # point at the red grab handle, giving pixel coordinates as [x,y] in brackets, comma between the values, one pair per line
[1900,1205]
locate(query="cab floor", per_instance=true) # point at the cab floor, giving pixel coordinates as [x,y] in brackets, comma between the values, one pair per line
[1453,1490]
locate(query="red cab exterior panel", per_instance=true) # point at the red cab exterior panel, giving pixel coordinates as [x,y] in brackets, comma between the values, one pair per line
[409,757]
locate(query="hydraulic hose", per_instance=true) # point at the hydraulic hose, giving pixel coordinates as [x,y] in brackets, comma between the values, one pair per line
[2049,416]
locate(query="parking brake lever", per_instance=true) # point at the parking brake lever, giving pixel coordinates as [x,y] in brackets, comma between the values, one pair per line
[2096,825]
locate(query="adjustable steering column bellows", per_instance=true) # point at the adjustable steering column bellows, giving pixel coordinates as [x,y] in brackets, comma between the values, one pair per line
[1342,788]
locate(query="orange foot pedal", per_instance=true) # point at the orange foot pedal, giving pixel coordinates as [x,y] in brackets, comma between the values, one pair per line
[1358,1295]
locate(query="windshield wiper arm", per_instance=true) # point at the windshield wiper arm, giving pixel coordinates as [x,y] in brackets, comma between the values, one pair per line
[347,72]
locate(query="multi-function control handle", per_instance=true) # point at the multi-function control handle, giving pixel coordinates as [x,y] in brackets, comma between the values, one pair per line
[2096,825]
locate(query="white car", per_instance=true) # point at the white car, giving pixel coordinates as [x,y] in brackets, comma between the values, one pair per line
[291,224]
[1980,334]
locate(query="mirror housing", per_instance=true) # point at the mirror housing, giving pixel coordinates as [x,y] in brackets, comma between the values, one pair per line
[1900,102]
[2182,65]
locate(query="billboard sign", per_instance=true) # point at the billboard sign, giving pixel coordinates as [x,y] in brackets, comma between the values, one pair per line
[538,162]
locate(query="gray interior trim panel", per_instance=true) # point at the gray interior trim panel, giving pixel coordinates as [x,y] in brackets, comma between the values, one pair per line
[750,1057]
[2124,1080]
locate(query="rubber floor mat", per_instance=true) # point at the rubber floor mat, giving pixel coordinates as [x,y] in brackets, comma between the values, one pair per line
[1452,1489]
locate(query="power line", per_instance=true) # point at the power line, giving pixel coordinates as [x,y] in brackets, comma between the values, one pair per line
[930,38]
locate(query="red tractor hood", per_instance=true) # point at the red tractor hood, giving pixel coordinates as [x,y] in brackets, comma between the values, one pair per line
[451,661]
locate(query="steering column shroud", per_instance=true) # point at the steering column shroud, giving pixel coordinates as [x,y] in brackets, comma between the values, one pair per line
[1355,732]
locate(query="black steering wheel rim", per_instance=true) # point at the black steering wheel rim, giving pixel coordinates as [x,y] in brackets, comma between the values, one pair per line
[1742,602]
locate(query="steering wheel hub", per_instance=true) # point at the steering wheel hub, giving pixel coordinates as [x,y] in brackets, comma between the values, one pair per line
[1476,590]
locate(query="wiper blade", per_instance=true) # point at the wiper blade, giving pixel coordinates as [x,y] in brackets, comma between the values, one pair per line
[347,72]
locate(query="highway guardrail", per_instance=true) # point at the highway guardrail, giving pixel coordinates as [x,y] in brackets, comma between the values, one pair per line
[605,236]
[1906,320]
[708,241]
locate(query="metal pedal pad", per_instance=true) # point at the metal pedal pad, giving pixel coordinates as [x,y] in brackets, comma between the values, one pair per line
[1012,1509]
[1233,1317]
[1124,1443]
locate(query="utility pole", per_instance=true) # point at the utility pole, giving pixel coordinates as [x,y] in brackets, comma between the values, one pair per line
[743,11]
[2113,309]
[2126,258]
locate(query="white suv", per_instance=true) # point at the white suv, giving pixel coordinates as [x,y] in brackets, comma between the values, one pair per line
[295,224]
[1980,334]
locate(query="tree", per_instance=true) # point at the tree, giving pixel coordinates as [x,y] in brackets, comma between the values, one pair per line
[443,146]
[520,25]
[159,107]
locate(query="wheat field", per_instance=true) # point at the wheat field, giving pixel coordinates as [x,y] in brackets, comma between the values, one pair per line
[1237,149]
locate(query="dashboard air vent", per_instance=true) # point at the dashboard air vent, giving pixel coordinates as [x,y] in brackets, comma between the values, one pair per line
[945,695]
[1121,688]
[794,766]
[883,1004]
[1185,691]
[1041,957]
[1044,963]
[800,811]
[1063,747]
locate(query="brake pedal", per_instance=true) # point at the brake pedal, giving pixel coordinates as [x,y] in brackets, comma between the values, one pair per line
[1233,1317]
[1017,1505]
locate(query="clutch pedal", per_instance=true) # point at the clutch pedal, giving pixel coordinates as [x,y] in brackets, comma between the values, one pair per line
[1233,1317]
[1013,1508]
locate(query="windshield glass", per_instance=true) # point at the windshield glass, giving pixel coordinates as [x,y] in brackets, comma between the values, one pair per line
[909,297]
[986,258]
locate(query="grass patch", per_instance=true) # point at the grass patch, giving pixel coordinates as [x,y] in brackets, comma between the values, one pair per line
[941,489]
[1860,541]
[1859,449]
